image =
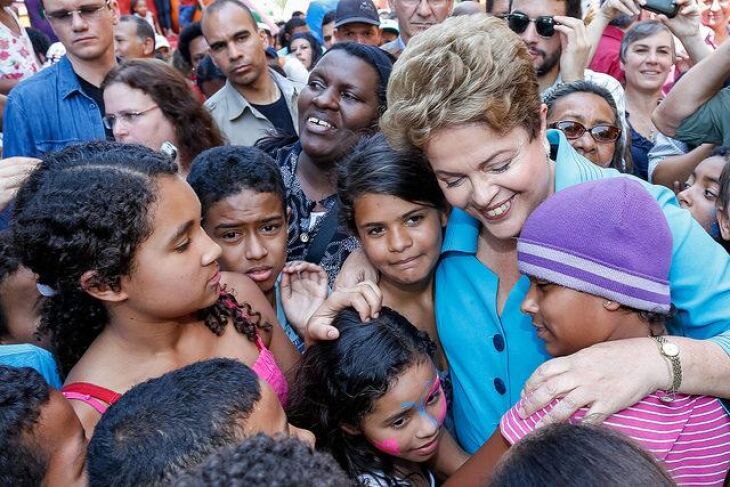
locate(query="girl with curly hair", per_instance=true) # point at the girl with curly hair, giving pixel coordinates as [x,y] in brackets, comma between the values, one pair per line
[134,287]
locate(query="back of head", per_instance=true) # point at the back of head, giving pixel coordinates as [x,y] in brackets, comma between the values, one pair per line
[23,393]
[85,208]
[262,460]
[615,244]
[339,381]
[578,455]
[143,28]
[208,71]
[225,171]
[374,167]
[483,72]
[170,424]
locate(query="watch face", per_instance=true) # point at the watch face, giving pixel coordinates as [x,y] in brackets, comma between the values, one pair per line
[670,349]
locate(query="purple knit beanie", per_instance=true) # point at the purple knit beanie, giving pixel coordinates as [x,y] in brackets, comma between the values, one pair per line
[607,237]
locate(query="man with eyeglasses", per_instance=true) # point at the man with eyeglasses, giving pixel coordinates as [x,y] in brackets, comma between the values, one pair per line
[555,36]
[63,104]
[414,17]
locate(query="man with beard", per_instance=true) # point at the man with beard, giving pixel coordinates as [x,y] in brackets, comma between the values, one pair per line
[555,35]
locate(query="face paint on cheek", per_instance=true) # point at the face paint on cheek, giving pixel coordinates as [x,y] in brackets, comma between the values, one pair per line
[389,446]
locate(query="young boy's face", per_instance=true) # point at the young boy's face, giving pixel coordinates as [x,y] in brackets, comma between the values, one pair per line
[60,437]
[20,302]
[568,320]
[251,228]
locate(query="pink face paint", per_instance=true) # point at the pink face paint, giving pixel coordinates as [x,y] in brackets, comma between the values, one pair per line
[389,446]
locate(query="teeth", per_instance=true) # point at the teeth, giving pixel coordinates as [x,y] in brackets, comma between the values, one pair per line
[321,123]
[499,210]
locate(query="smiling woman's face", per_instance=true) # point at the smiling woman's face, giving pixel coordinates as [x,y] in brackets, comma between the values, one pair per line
[338,104]
[499,179]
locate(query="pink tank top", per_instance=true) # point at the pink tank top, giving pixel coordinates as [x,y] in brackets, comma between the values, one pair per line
[101,398]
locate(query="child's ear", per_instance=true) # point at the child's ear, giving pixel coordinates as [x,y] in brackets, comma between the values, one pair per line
[723,221]
[609,305]
[350,429]
[102,291]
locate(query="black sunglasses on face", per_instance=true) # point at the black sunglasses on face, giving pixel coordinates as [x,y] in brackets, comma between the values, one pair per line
[602,133]
[544,25]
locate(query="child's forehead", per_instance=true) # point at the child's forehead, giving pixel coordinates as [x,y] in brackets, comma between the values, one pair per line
[413,385]
[252,198]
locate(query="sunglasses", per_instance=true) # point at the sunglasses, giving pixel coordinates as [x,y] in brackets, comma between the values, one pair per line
[544,25]
[602,133]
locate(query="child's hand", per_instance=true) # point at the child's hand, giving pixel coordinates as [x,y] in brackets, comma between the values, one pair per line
[303,290]
[366,298]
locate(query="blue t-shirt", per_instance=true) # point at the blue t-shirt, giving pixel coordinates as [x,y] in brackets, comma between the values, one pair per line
[492,356]
[27,355]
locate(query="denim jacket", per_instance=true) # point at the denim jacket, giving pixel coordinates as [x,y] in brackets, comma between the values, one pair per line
[47,112]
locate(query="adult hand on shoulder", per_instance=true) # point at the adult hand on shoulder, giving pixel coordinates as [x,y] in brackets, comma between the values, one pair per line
[303,290]
[366,298]
[356,269]
[576,49]
[606,378]
[13,173]
[687,21]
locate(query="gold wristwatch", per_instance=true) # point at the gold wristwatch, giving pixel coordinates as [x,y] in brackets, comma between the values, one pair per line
[670,351]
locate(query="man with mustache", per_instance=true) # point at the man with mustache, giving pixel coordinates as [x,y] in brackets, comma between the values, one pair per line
[255,99]
[555,36]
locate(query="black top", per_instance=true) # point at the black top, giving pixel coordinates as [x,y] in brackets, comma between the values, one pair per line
[300,233]
[278,114]
[96,94]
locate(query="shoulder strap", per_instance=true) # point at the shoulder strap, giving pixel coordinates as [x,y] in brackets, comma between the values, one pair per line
[98,392]
[324,235]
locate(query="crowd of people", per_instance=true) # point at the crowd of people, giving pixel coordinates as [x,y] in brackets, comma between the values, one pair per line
[433,244]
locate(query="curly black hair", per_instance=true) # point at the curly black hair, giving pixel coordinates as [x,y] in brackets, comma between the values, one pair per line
[265,461]
[191,32]
[170,424]
[87,207]
[9,265]
[340,380]
[225,171]
[23,393]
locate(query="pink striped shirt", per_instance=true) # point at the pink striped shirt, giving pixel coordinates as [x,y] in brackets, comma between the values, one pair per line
[690,436]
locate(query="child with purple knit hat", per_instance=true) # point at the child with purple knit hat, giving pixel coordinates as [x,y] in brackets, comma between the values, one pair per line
[598,257]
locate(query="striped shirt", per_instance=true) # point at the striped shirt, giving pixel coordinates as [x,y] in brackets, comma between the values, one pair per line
[690,435]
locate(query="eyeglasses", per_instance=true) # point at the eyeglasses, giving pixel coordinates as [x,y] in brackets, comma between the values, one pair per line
[432,3]
[544,25]
[129,118]
[601,133]
[87,12]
